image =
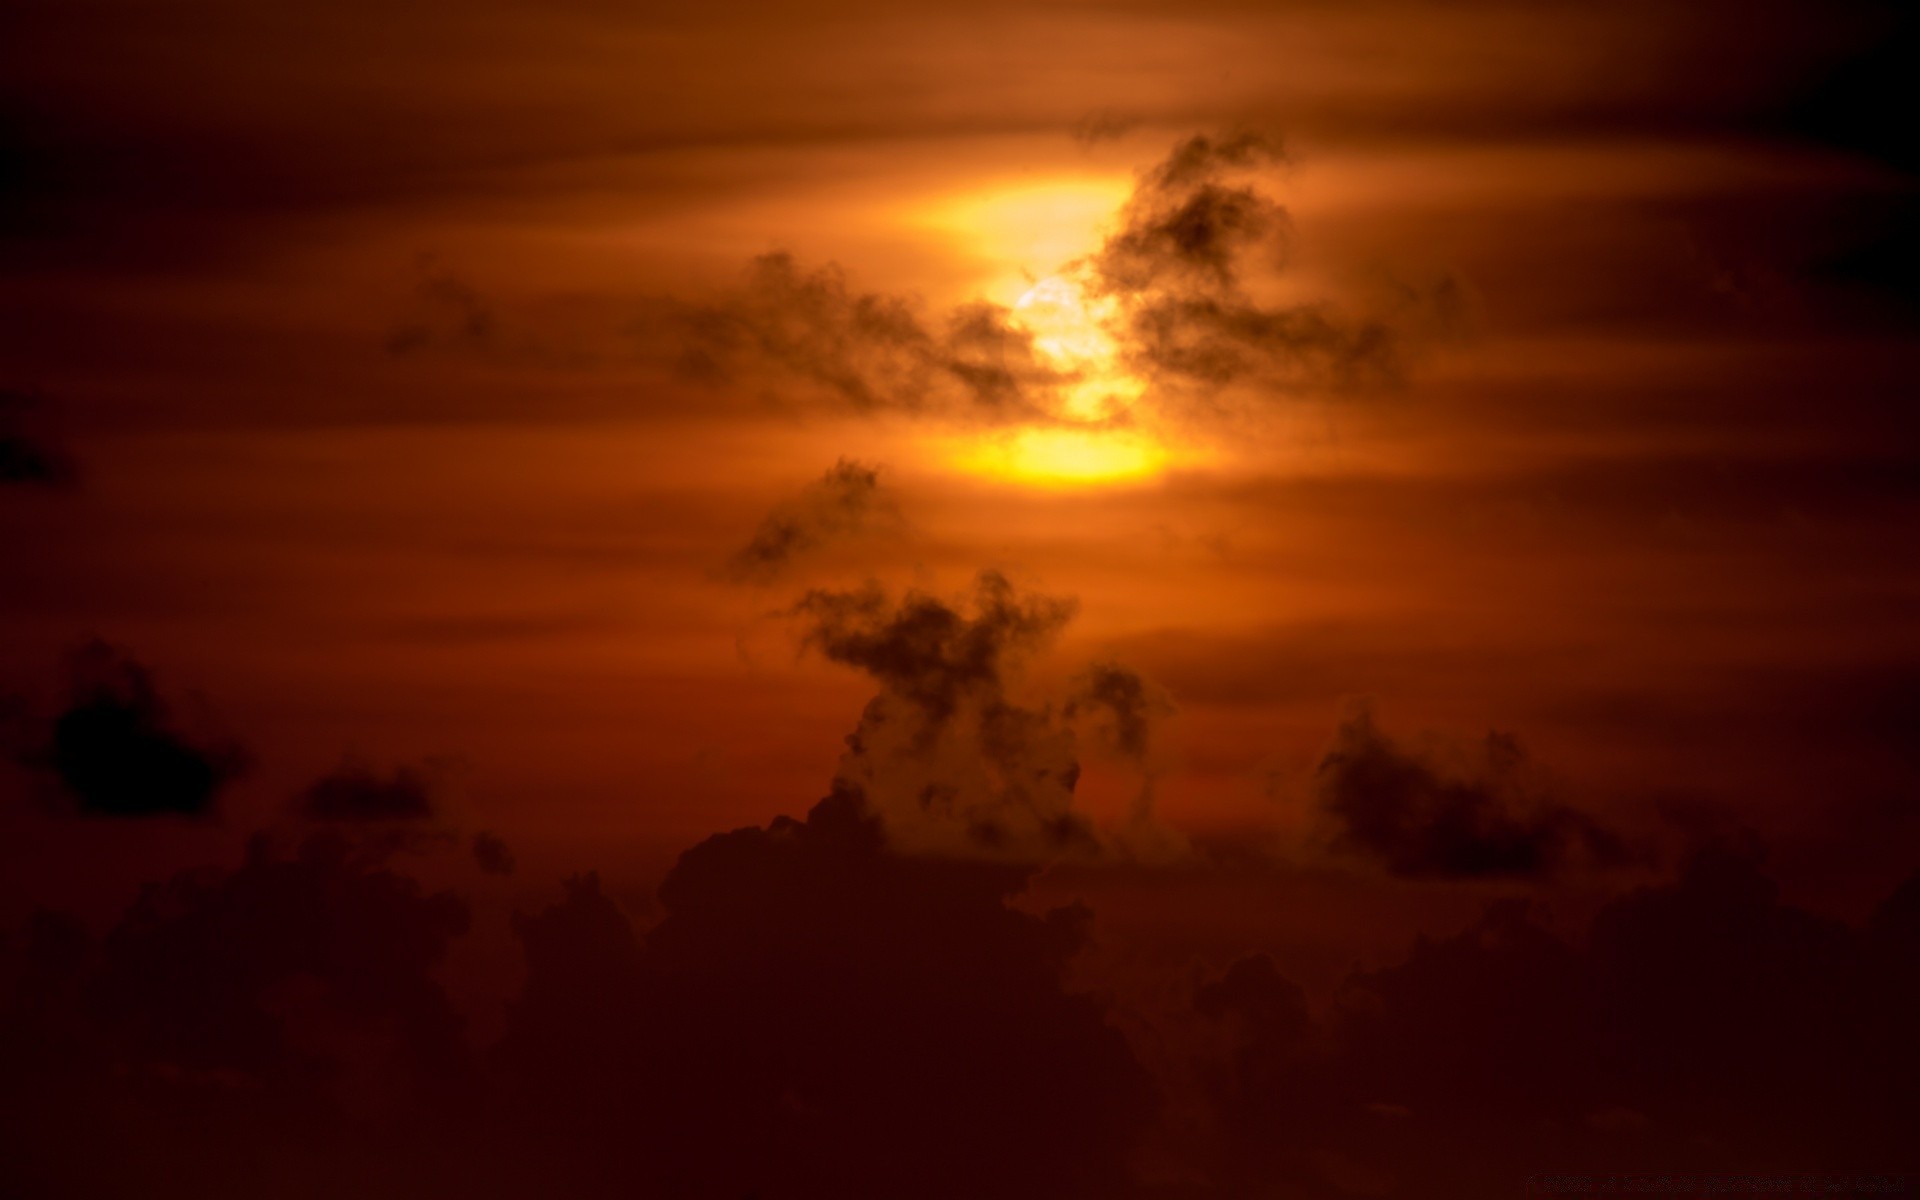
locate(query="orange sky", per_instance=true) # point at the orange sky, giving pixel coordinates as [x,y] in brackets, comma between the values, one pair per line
[421,398]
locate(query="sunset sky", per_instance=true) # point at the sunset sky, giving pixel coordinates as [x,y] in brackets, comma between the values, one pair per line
[1342,579]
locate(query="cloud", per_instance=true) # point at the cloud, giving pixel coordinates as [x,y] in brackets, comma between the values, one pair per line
[28,455]
[1195,230]
[927,650]
[950,754]
[234,1026]
[116,749]
[1186,226]
[866,350]
[945,754]
[1130,703]
[357,793]
[1420,818]
[193,963]
[449,312]
[1196,226]
[1701,1022]
[817,1014]
[492,854]
[844,502]
[1103,125]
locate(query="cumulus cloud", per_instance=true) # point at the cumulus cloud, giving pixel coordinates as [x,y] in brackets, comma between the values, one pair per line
[234,1027]
[928,650]
[821,1011]
[117,751]
[952,754]
[358,793]
[845,502]
[1702,1022]
[492,854]
[1418,816]
[817,1014]
[945,753]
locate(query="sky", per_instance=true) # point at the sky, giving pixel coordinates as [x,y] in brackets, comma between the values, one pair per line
[1076,599]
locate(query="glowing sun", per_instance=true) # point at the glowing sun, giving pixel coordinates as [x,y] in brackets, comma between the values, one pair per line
[1072,337]
[1075,333]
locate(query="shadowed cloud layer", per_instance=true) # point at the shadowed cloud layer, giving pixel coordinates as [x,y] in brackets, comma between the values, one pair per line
[1196,233]
[117,752]
[945,754]
[846,501]
[1418,817]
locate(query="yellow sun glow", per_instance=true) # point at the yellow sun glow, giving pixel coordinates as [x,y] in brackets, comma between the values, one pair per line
[1041,230]
[1024,230]
[1064,457]
[1071,336]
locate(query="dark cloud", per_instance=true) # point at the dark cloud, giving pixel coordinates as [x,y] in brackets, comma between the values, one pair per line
[1186,225]
[1130,704]
[193,964]
[1105,125]
[951,754]
[236,1027]
[946,753]
[117,751]
[816,1015]
[866,350]
[356,793]
[492,854]
[1195,228]
[924,648]
[1195,232]
[28,452]
[847,500]
[1704,1023]
[1420,817]
[449,312]
[1266,1004]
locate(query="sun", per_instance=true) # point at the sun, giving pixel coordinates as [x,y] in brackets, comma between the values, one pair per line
[1072,336]
[1072,333]
[1089,431]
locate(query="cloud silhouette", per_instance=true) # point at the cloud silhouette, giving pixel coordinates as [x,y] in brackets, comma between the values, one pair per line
[819,1015]
[867,350]
[449,312]
[1417,817]
[1196,225]
[1702,1023]
[357,793]
[1130,704]
[233,1028]
[846,501]
[924,648]
[117,752]
[492,854]
[1195,228]
[28,453]
[945,753]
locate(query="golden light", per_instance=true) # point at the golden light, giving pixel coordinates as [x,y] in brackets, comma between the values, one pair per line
[1072,336]
[1041,230]
[1020,231]
[1064,457]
